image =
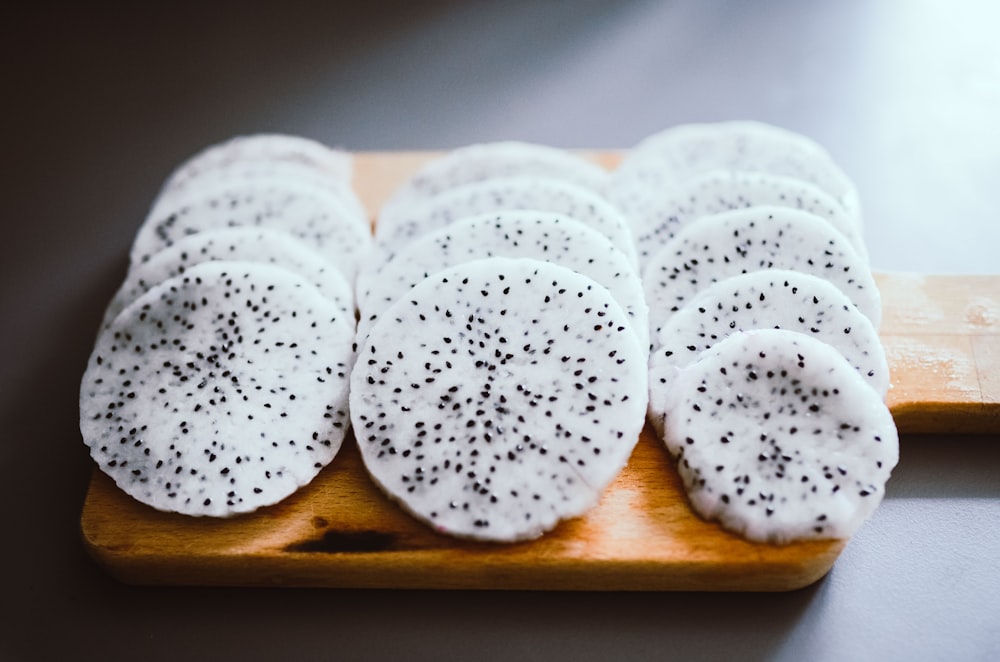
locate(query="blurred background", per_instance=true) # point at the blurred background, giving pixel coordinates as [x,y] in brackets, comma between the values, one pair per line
[102,101]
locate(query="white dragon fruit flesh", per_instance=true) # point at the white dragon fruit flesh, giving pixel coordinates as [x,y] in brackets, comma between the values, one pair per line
[512,233]
[220,390]
[778,438]
[241,243]
[308,213]
[768,299]
[716,247]
[670,208]
[499,397]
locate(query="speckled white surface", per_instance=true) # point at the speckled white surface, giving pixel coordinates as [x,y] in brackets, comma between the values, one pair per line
[107,101]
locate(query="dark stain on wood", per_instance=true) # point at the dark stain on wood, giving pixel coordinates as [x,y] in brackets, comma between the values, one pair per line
[338,542]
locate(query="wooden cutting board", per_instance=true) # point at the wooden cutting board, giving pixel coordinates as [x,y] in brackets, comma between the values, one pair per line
[942,336]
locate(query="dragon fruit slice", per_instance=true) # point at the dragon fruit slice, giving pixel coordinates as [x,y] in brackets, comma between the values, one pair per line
[499,397]
[328,163]
[532,234]
[308,213]
[482,161]
[255,174]
[219,391]
[681,152]
[722,245]
[250,244]
[504,193]
[721,190]
[779,438]
[772,298]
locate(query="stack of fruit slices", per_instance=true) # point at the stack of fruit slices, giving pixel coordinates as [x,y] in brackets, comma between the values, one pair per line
[767,376]
[219,379]
[501,381]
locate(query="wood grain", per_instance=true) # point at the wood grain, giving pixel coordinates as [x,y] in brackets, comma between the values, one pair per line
[942,335]
[942,338]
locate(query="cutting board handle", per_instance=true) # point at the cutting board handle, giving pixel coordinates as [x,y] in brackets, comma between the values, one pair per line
[942,337]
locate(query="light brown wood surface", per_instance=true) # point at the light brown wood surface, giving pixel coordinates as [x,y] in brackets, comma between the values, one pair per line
[942,336]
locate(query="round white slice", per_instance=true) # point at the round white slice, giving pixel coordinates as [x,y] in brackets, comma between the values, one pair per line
[717,247]
[499,397]
[722,190]
[264,147]
[547,194]
[219,391]
[768,299]
[258,174]
[532,234]
[482,161]
[250,244]
[306,212]
[687,150]
[778,438]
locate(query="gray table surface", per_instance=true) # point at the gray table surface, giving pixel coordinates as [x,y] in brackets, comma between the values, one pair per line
[100,103]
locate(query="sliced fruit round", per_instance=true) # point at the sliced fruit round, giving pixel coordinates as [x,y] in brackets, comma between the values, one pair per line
[306,212]
[548,194]
[518,233]
[768,299]
[716,191]
[482,161]
[684,151]
[778,438]
[247,243]
[219,391]
[325,162]
[499,397]
[723,245]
